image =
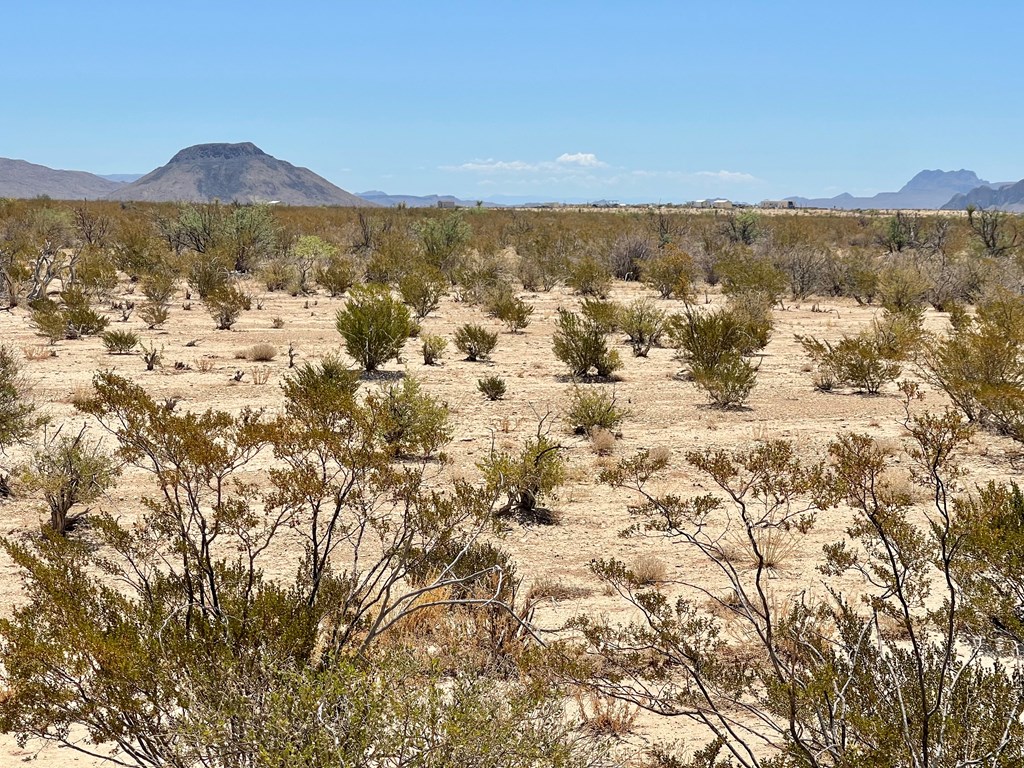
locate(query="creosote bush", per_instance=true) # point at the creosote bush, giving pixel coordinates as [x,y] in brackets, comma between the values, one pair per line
[593,407]
[374,326]
[583,346]
[226,305]
[433,348]
[714,345]
[475,341]
[408,420]
[492,387]
[643,324]
[524,478]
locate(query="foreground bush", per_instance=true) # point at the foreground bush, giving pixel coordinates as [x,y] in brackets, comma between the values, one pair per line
[374,326]
[593,408]
[475,341]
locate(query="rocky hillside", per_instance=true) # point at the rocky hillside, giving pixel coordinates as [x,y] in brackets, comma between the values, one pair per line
[234,173]
[19,178]
[1003,197]
[927,190]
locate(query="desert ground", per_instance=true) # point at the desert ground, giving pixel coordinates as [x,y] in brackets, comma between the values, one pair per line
[665,411]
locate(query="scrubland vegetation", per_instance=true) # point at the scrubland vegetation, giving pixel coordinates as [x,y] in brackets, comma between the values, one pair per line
[346,549]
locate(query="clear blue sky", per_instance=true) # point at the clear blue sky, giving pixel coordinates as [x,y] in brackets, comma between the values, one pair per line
[659,100]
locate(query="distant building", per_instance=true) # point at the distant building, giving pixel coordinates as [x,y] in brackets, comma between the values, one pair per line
[721,204]
[777,204]
[446,204]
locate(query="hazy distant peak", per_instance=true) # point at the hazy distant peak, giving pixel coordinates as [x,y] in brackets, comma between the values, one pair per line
[928,190]
[931,180]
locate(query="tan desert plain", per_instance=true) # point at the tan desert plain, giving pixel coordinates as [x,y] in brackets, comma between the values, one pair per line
[852,590]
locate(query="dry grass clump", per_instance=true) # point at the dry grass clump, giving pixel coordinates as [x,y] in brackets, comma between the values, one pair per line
[602,441]
[606,716]
[260,374]
[262,352]
[35,352]
[647,570]
[553,589]
[204,364]
[80,395]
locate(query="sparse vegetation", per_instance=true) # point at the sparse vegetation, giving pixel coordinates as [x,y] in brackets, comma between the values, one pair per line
[475,341]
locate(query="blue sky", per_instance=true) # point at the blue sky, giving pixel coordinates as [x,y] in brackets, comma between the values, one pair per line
[659,101]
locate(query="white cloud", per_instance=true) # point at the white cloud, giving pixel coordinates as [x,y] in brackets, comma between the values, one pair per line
[489,165]
[582,159]
[728,176]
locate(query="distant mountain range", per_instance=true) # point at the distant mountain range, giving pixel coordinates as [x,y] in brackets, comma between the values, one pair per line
[1004,197]
[241,173]
[927,190]
[419,201]
[22,179]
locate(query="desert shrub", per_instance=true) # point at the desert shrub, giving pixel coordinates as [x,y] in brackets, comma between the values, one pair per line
[593,408]
[336,274]
[902,288]
[589,277]
[120,342]
[643,324]
[980,367]
[805,268]
[226,304]
[154,315]
[492,387]
[481,277]
[151,356]
[854,361]
[605,314]
[263,352]
[583,346]
[315,389]
[69,471]
[743,272]
[753,311]
[443,241]
[703,338]
[49,321]
[422,287]
[18,417]
[855,274]
[374,326]
[409,421]
[670,272]
[513,311]
[475,342]
[629,255]
[81,318]
[728,382]
[278,274]
[433,348]
[158,286]
[207,276]
[524,478]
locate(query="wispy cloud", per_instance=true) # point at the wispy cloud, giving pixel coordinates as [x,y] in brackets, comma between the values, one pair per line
[582,159]
[728,176]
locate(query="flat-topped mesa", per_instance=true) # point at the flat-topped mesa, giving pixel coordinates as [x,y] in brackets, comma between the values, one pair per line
[218,152]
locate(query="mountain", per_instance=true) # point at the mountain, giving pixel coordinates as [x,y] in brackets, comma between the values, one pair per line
[121,177]
[241,173]
[419,201]
[22,179]
[1003,197]
[927,190]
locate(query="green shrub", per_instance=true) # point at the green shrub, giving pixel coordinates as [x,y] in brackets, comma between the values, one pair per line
[702,339]
[644,325]
[475,342]
[433,348]
[854,361]
[18,418]
[120,342]
[606,315]
[593,408]
[743,272]
[512,311]
[374,326]
[409,421]
[492,387]
[670,273]
[226,304]
[208,275]
[753,312]
[728,382]
[278,274]
[583,346]
[337,274]
[523,479]
[154,315]
[81,318]
[589,277]
[422,288]
[49,322]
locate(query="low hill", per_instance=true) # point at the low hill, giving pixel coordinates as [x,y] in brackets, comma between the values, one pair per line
[928,190]
[19,178]
[241,173]
[420,201]
[1002,197]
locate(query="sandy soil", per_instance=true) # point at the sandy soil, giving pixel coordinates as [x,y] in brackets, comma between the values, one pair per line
[666,411]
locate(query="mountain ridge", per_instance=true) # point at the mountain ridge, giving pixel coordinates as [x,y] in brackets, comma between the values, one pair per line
[22,179]
[927,190]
